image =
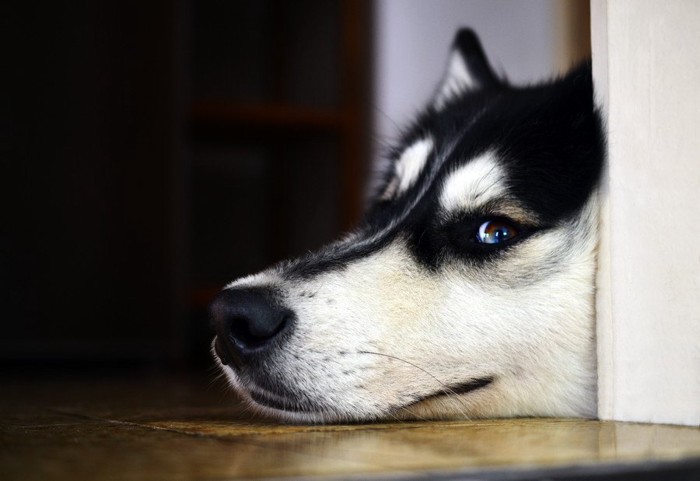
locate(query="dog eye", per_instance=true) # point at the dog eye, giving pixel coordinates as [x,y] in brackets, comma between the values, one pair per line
[495,232]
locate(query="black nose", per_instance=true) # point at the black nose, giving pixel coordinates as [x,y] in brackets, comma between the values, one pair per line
[247,321]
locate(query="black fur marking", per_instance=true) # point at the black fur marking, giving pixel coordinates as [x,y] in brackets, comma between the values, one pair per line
[548,139]
[334,257]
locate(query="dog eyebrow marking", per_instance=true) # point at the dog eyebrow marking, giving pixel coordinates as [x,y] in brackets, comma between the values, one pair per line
[478,182]
[408,167]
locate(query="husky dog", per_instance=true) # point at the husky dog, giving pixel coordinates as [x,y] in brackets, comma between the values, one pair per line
[467,291]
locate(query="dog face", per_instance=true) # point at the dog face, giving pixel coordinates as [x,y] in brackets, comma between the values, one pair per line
[468,289]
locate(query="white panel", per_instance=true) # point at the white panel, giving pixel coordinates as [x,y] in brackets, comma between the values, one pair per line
[599,47]
[647,73]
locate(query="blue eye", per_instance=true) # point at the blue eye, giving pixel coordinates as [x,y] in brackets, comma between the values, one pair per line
[495,232]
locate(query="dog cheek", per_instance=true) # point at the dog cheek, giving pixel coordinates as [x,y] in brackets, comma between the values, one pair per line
[356,319]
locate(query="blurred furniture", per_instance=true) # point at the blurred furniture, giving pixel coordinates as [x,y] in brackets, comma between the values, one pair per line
[153,151]
[279,130]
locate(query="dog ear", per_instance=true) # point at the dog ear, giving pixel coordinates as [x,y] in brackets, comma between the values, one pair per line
[467,69]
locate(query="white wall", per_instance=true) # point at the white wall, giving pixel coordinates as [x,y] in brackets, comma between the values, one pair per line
[646,62]
[413,38]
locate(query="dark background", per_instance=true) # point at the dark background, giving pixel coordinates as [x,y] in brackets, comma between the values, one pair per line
[153,151]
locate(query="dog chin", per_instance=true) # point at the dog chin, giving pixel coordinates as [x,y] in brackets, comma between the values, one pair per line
[288,408]
[278,408]
[290,412]
[270,407]
[273,406]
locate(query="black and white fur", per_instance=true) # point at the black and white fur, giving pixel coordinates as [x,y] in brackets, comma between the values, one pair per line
[412,315]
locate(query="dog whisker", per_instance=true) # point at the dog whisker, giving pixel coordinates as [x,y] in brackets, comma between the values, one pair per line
[444,387]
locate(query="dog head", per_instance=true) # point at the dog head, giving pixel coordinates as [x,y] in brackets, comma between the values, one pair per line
[468,289]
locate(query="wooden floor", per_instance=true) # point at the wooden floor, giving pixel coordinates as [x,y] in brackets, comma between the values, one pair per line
[174,429]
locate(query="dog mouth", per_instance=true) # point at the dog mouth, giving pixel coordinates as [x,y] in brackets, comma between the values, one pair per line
[291,404]
[279,399]
[457,389]
[280,403]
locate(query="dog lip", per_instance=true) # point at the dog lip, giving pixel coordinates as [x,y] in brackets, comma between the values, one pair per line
[455,389]
[289,405]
